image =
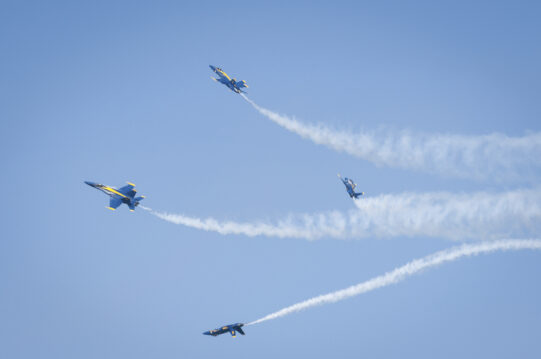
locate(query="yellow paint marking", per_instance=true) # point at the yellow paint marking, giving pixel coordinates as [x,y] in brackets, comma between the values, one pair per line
[111,208]
[114,191]
[226,75]
[131,184]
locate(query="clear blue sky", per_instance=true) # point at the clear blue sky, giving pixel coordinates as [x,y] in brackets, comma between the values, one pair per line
[120,91]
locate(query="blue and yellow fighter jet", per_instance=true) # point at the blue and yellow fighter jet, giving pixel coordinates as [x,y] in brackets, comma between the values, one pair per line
[231,328]
[224,78]
[125,195]
[350,187]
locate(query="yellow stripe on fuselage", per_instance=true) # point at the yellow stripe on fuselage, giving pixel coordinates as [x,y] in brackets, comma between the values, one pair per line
[107,188]
[223,73]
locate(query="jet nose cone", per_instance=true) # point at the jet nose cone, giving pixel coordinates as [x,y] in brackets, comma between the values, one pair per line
[89,183]
[206,333]
[212,67]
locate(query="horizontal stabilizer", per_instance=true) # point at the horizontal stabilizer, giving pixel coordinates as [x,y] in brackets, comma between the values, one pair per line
[357,195]
[242,84]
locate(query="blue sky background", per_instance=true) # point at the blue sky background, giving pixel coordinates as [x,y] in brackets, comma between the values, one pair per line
[120,91]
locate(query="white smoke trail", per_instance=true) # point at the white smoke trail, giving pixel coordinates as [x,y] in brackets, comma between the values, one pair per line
[401,273]
[492,156]
[439,214]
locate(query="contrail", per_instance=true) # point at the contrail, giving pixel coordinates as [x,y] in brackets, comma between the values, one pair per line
[401,273]
[478,157]
[438,214]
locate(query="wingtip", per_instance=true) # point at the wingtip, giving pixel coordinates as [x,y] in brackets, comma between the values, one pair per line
[111,208]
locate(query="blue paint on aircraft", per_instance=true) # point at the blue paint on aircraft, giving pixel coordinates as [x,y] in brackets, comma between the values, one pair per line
[231,328]
[125,195]
[224,78]
[350,187]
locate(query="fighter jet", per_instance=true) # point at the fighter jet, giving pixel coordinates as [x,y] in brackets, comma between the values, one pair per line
[350,187]
[231,328]
[125,195]
[224,78]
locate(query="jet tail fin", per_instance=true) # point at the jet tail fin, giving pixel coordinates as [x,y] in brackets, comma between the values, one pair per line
[135,202]
[241,331]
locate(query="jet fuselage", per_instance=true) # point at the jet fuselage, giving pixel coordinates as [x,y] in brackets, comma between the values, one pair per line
[124,195]
[231,328]
[224,78]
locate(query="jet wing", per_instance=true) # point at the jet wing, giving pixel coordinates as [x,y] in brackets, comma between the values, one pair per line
[241,331]
[128,190]
[114,202]
[233,333]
